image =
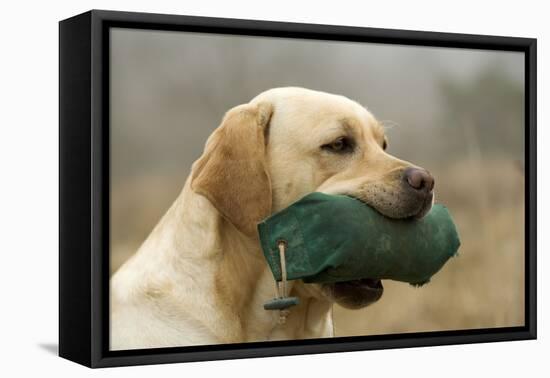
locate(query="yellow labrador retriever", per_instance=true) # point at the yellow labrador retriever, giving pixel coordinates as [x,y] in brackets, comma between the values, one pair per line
[200,277]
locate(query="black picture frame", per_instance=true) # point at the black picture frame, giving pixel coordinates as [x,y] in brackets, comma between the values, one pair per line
[84,187]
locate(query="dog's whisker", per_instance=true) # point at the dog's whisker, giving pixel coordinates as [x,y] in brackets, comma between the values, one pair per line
[388,124]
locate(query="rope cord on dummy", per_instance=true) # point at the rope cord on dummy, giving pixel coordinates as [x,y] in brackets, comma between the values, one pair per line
[282,302]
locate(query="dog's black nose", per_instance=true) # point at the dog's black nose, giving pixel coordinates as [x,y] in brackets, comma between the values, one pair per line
[419,179]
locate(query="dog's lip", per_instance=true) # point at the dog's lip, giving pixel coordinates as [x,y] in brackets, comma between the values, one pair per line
[355,294]
[419,214]
[364,284]
[426,204]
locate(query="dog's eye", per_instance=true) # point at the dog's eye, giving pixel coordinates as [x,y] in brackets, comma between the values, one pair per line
[341,144]
[384,145]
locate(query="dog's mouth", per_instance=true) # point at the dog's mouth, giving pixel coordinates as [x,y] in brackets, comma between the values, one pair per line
[355,294]
[415,207]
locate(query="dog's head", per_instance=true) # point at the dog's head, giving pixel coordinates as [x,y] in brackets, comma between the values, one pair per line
[288,142]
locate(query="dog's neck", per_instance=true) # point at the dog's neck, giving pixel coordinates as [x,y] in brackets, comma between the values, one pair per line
[211,253]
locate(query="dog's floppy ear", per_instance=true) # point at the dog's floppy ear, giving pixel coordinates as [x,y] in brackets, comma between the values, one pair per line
[232,172]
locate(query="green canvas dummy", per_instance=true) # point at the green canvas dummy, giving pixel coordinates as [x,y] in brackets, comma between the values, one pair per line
[332,238]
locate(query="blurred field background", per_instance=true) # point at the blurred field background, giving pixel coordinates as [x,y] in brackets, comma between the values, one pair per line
[457,112]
